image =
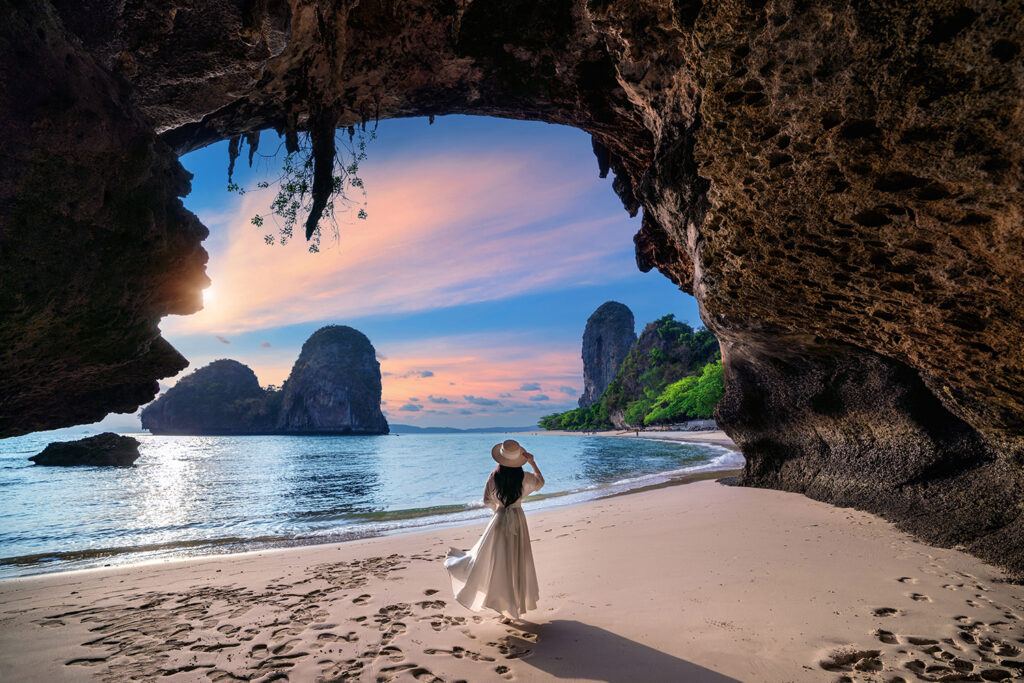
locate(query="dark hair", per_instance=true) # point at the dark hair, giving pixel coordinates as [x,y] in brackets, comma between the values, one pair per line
[509,484]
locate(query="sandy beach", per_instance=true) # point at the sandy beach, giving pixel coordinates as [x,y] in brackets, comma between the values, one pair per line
[695,582]
[716,437]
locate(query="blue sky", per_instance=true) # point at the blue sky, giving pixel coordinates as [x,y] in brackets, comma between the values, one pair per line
[488,244]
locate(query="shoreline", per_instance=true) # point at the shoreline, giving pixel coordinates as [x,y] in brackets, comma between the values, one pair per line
[702,582]
[715,437]
[135,556]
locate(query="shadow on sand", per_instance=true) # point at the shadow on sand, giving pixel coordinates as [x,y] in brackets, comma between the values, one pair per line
[572,649]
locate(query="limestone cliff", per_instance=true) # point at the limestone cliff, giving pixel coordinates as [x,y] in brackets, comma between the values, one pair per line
[838,183]
[223,397]
[607,339]
[334,386]
[667,350]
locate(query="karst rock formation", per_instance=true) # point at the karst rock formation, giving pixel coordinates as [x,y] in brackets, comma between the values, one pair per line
[334,386]
[607,339]
[224,397]
[838,183]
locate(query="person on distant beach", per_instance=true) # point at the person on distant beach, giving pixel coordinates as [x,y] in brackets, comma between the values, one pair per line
[498,572]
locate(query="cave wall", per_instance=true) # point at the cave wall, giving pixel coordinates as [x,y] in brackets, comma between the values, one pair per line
[860,252]
[95,244]
[838,183]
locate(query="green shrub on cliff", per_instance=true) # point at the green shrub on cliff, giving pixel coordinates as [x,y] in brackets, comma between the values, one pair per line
[666,351]
[670,374]
[691,398]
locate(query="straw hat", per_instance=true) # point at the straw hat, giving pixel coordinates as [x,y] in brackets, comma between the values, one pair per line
[509,453]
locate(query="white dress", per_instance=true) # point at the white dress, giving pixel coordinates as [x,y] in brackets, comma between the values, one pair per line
[498,571]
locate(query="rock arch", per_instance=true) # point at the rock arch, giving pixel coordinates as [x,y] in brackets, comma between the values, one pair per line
[839,185]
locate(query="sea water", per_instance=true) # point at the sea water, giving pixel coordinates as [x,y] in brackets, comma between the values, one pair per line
[195,495]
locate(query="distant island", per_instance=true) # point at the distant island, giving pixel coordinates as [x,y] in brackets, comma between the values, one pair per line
[333,388]
[671,373]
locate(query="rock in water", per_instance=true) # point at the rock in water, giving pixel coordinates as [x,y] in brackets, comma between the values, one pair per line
[334,386]
[106,449]
[222,398]
[607,339]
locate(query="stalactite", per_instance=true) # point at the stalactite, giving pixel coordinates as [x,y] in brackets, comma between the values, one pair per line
[321,134]
[253,140]
[233,145]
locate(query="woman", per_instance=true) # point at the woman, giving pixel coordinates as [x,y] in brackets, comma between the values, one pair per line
[498,571]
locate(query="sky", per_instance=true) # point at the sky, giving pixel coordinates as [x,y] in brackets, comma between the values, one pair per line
[486,246]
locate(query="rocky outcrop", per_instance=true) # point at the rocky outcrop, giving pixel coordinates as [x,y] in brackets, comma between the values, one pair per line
[105,450]
[334,387]
[666,351]
[96,245]
[223,397]
[607,339]
[838,184]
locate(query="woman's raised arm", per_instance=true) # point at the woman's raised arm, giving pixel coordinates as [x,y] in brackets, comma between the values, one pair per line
[536,470]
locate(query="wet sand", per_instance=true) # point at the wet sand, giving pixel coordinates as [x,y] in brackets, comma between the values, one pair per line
[699,582]
[716,437]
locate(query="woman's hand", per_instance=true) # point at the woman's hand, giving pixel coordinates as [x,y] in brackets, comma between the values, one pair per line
[529,456]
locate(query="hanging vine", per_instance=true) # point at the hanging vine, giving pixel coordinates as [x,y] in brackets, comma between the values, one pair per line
[319,178]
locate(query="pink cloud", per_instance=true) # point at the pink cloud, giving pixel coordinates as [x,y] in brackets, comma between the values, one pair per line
[440,232]
[487,370]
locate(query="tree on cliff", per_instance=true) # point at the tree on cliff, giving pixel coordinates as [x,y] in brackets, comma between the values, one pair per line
[672,373]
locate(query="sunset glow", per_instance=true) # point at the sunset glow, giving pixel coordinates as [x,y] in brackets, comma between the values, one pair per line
[486,247]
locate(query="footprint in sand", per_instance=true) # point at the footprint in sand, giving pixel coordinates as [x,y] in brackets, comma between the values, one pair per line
[849,659]
[391,652]
[388,671]
[430,591]
[459,653]
[510,649]
[918,597]
[86,661]
[431,604]
[503,671]
[362,599]
[421,674]
[885,611]
[907,579]
[887,637]
[215,647]
[285,648]
[440,622]
[221,676]
[921,641]
[328,637]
